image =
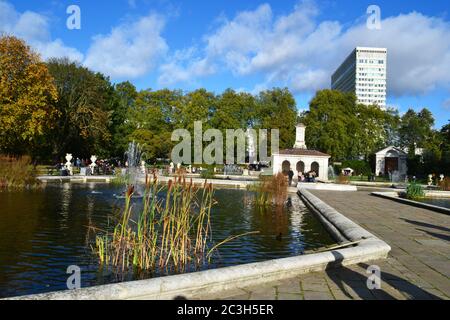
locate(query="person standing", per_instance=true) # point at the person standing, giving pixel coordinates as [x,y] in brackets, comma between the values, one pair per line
[290,175]
[300,176]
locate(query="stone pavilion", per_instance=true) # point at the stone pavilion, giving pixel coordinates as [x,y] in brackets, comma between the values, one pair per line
[300,158]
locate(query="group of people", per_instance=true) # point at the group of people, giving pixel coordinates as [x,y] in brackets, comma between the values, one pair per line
[307,177]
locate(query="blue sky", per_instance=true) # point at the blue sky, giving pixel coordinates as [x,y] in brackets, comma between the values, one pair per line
[246,45]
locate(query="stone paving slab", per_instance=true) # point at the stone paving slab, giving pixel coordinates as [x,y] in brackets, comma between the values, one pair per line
[418,267]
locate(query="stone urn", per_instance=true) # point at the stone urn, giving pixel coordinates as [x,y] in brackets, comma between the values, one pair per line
[93,165]
[430,179]
[68,163]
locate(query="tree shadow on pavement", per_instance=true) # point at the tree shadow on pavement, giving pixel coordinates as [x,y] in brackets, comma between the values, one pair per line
[431,226]
[426,225]
[436,235]
[346,278]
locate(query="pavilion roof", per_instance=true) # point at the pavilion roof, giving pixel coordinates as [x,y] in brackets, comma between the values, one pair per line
[303,152]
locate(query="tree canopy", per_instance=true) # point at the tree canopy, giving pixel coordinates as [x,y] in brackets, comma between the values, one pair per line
[415,129]
[85,104]
[338,125]
[416,133]
[49,109]
[276,109]
[27,97]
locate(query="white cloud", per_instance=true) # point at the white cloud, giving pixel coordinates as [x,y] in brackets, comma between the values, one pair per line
[57,49]
[446,104]
[237,40]
[35,30]
[295,49]
[184,66]
[130,50]
[418,51]
[309,79]
[299,51]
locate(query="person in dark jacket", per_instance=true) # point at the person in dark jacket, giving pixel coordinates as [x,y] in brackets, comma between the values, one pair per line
[290,175]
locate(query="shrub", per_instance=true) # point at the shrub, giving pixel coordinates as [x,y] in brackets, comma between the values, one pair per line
[271,190]
[121,179]
[445,184]
[342,179]
[414,191]
[360,167]
[17,173]
[207,173]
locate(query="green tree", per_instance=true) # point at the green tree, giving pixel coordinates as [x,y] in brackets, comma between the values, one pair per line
[27,97]
[234,110]
[153,117]
[332,124]
[376,129]
[417,132]
[445,149]
[415,129]
[198,105]
[276,109]
[85,103]
[338,125]
[125,95]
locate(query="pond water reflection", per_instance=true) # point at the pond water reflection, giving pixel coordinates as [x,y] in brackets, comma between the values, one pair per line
[440,202]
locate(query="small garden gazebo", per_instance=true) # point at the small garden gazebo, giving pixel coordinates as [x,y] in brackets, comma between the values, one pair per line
[300,159]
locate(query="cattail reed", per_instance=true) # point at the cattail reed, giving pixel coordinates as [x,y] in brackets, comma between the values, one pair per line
[170,234]
[271,190]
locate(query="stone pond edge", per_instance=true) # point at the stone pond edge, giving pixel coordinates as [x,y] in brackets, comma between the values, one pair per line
[394,196]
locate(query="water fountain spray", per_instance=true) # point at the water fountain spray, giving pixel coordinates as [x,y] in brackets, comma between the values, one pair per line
[134,156]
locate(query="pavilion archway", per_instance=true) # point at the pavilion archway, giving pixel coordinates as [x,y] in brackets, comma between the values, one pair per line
[300,167]
[285,167]
[315,168]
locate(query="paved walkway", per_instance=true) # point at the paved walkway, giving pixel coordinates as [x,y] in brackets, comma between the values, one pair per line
[418,267]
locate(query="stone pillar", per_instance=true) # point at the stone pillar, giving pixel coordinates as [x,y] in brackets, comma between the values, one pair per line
[300,136]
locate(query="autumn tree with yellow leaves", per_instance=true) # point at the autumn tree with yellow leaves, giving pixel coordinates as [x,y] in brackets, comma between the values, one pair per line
[27,97]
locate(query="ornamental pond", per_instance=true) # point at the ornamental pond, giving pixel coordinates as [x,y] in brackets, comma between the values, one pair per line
[43,232]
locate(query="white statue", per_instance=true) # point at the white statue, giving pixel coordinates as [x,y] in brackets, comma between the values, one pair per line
[143,166]
[69,164]
[251,147]
[93,165]
[441,176]
[171,167]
